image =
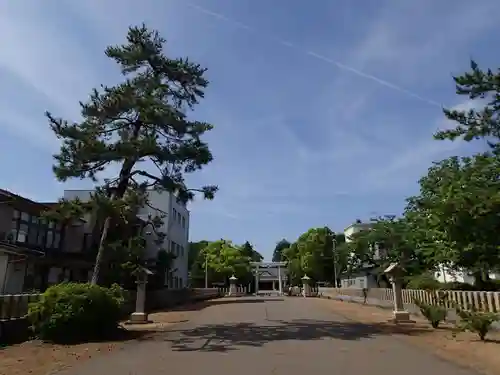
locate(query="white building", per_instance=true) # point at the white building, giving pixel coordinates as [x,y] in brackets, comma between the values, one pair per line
[355,228]
[175,227]
[445,275]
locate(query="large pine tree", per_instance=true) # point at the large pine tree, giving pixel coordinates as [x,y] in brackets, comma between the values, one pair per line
[141,125]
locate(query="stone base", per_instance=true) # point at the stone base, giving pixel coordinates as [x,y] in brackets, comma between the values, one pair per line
[401,317]
[138,318]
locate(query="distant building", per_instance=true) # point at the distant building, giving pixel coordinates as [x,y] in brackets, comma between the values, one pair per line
[36,252]
[366,275]
[175,227]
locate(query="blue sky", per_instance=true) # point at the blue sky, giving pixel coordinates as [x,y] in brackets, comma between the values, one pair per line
[323,110]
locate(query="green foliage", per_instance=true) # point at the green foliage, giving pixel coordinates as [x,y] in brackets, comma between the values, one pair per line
[140,125]
[313,254]
[435,314]
[476,321]
[226,259]
[248,251]
[281,246]
[459,201]
[456,214]
[71,312]
[476,123]
[161,268]
[195,249]
[141,119]
[425,281]
[389,239]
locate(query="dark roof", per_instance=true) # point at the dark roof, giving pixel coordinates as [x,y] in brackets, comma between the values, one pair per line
[22,203]
[271,273]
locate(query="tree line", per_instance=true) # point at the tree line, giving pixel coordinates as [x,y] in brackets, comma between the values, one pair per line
[214,262]
[452,223]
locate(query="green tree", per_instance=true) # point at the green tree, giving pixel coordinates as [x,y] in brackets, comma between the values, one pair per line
[465,236]
[195,248]
[126,240]
[139,125]
[457,214]
[225,259]
[476,123]
[278,250]
[311,254]
[389,239]
[250,252]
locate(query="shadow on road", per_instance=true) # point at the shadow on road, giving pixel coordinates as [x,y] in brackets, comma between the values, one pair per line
[196,306]
[226,337]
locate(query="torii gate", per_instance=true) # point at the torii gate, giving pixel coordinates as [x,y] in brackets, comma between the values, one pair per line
[264,265]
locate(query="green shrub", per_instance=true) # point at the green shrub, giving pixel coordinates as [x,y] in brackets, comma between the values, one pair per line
[435,314]
[476,321]
[455,285]
[71,312]
[424,282]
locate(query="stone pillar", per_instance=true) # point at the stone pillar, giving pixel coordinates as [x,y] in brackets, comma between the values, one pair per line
[400,315]
[306,287]
[140,316]
[257,280]
[280,281]
[232,286]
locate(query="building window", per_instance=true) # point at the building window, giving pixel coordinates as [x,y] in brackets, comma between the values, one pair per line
[22,233]
[174,214]
[178,217]
[173,248]
[182,251]
[183,222]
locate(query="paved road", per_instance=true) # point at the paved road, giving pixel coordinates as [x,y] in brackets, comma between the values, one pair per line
[269,336]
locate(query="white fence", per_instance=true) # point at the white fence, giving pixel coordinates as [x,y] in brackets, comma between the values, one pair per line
[480,300]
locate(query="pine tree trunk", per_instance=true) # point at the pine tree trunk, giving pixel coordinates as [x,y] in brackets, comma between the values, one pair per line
[125,171]
[100,253]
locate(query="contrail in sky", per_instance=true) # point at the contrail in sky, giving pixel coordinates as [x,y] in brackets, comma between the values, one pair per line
[316,55]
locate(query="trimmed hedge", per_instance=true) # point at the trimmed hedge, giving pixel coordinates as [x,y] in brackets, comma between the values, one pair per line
[74,312]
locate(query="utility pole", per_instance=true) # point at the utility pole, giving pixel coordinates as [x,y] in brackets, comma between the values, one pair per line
[206,271]
[334,249]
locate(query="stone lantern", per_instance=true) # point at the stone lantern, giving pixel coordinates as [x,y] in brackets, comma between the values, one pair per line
[395,274]
[140,316]
[232,286]
[306,286]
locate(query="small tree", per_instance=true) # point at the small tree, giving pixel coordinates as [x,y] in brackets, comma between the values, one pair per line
[139,125]
[476,321]
[434,313]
